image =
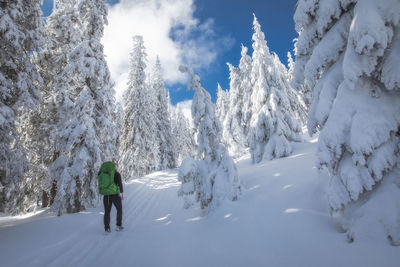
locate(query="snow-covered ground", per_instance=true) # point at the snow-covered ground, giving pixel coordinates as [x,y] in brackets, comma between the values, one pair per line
[281,219]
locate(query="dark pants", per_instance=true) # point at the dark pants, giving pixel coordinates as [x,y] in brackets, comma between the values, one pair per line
[108,201]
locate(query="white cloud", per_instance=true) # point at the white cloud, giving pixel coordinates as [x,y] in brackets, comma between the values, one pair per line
[169,30]
[186,108]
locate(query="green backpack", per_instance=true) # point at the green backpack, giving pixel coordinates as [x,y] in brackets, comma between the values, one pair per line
[106,179]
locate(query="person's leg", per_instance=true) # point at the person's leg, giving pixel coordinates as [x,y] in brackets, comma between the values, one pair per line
[107,209]
[118,205]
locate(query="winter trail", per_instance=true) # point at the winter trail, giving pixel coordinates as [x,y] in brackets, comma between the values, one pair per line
[87,243]
[281,219]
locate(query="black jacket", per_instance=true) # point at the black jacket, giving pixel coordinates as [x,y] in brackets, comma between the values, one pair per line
[118,181]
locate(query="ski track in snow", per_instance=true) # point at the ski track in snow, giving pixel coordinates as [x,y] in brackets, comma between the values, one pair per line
[281,219]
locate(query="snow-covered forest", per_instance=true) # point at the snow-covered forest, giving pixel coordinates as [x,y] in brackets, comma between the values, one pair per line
[59,116]
[60,120]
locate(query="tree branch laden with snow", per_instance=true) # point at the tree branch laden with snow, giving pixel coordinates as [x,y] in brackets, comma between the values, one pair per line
[346,52]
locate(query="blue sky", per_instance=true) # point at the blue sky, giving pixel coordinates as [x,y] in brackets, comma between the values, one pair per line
[235,18]
[216,30]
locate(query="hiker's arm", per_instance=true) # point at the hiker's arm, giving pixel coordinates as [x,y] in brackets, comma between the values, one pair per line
[119,184]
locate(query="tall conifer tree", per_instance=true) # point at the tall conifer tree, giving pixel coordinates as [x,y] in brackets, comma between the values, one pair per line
[348,52]
[244,111]
[63,35]
[183,134]
[166,142]
[85,135]
[139,147]
[233,130]
[274,122]
[213,176]
[21,36]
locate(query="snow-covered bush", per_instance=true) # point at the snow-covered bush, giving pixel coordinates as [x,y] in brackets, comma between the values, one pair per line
[192,181]
[348,52]
[212,177]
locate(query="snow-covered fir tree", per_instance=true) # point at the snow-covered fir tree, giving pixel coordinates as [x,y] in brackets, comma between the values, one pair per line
[119,123]
[233,132]
[222,103]
[303,91]
[21,37]
[63,34]
[185,144]
[290,65]
[348,52]
[166,142]
[37,184]
[213,176]
[243,109]
[94,18]
[274,122]
[85,134]
[139,149]
[296,99]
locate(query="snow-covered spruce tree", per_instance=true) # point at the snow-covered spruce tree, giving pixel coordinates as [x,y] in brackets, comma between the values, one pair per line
[85,135]
[274,122]
[303,91]
[139,147]
[222,103]
[296,100]
[36,184]
[290,65]
[213,176]
[21,36]
[94,18]
[243,109]
[119,123]
[166,142]
[233,132]
[169,105]
[348,52]
[63,34]
[183,134]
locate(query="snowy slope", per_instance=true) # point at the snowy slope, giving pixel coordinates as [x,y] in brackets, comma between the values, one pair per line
[281,219]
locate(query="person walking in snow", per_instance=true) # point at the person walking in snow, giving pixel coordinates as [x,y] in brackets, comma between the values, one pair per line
[113,194]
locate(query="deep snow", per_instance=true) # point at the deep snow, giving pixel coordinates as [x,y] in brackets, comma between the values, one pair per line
[281,219]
